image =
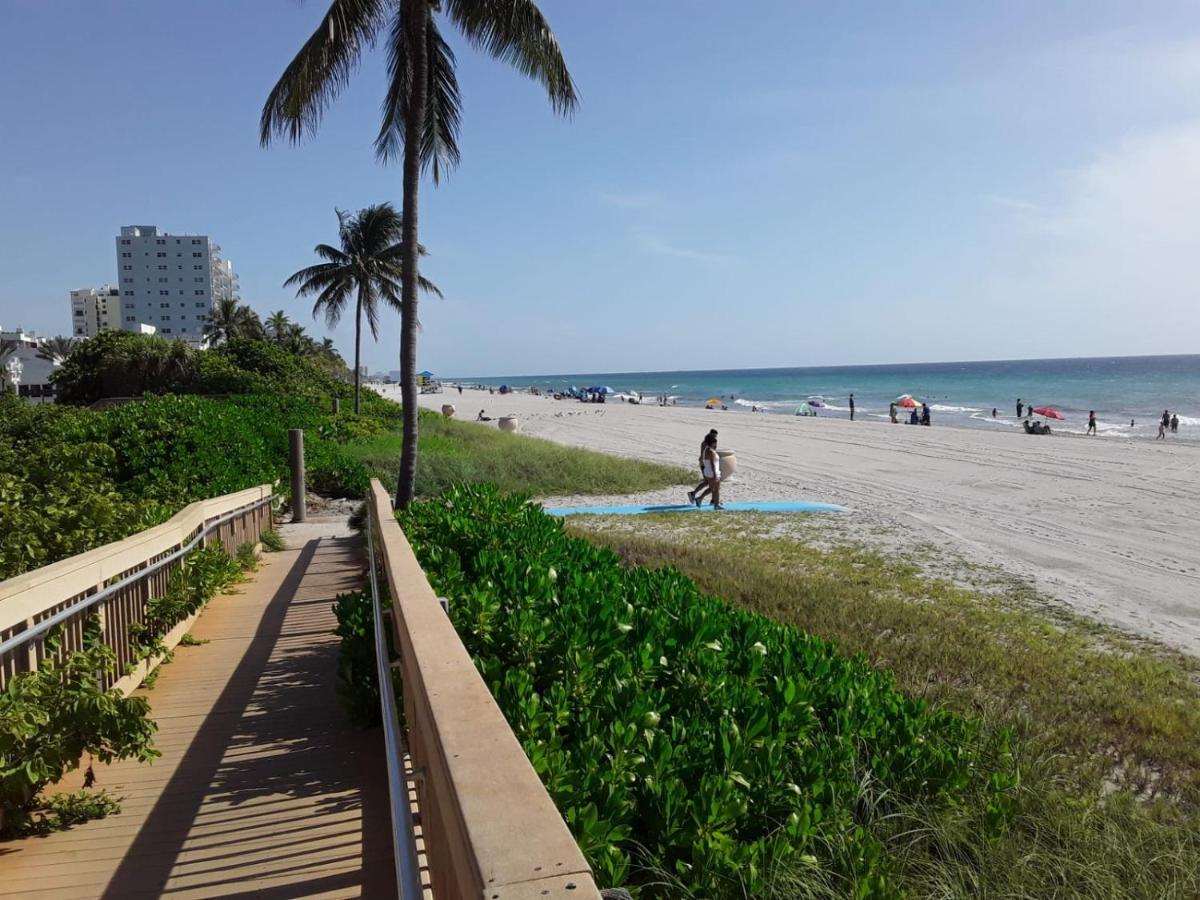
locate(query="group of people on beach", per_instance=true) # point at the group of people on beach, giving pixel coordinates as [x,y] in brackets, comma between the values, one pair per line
[1167,421]
[915,417]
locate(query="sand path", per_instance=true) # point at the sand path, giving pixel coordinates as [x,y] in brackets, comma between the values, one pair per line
[1109,525]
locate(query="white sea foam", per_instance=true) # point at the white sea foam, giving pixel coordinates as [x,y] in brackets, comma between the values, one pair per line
[937,407]
[1189,420]
[740,402]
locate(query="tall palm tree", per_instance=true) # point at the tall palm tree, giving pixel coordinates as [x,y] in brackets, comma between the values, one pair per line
[421,112]
[230,319]
[367,266]
[278,326]
[57,349]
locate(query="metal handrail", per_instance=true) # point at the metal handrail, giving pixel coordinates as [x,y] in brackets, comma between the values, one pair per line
[45,625]
[404,841]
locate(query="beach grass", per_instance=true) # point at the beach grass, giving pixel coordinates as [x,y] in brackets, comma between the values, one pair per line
[1107,726]
[463,452]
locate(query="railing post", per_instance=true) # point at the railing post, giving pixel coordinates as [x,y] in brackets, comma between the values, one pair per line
[296,461]
[32,657]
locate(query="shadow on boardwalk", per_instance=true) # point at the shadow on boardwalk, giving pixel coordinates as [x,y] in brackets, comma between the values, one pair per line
[264,788]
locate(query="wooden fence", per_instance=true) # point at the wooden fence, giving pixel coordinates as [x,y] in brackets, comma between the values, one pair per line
[489,828]
[114,582]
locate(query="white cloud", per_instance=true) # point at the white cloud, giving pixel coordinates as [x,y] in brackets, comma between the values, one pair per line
[628,200]
[652,243]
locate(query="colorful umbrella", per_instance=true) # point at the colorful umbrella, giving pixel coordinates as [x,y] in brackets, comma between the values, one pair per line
[816,404]
[1049,412]
[908,401]
[713,401]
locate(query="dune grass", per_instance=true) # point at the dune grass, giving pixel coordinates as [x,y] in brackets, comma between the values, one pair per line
[1107,727]
[463,452]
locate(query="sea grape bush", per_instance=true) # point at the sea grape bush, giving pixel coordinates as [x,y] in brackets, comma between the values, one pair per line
[675,730]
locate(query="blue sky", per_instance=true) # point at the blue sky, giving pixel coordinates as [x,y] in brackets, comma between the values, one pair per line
[796,184]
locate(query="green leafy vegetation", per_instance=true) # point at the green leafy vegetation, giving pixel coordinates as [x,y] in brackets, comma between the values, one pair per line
[357,675]
[454,453]
[61,811]
[271,540]
[52,718]
[693,748]
[1104,725]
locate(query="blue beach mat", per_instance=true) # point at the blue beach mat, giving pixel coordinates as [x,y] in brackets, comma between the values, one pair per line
[762,506]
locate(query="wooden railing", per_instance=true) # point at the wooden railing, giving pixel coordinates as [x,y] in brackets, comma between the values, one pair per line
[489,828]
[114,582]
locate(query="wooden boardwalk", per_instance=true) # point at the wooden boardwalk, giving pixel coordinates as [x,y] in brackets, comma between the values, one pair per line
[263,789]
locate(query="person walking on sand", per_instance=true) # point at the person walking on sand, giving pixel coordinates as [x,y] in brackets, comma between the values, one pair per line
[892,413]
[1091,422]
[712,471]
[851,407]
[1174,423]
[1162,432]
[697,494]
[1020,407]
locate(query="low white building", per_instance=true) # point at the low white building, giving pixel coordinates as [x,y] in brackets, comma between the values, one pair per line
[94,310]
[20,366]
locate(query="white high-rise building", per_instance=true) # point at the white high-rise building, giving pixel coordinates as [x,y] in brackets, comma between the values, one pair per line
[170,281]
[94,310]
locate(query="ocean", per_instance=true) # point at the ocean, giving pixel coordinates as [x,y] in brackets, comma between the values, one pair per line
[1120,390]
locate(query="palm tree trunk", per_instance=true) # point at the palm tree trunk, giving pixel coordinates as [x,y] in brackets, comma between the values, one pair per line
[417,14]
[357,350]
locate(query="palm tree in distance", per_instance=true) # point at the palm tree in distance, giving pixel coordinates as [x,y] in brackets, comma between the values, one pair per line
[57,349]
[278,326]
[230,319]
[421,112]
[367,266]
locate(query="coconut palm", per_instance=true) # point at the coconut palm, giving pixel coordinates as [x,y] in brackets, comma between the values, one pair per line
[278,326]
[421,111]
[230,319]
[367,266]
[57,349]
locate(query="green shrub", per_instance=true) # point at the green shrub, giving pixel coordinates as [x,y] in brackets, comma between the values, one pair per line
[357,679]
[50,719]
[720,743]
[201,575]
[271,540]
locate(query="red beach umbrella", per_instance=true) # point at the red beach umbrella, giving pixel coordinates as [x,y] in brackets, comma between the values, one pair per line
[1049,412]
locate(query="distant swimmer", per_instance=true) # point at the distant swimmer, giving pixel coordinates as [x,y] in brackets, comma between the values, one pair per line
[1131,423]
[1020,407]
[993,412]
[1174,424]
[851,407]
[1091,422]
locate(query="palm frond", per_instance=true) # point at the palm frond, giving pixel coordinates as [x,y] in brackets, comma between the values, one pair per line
[322,68]
[516,32]
[443,103]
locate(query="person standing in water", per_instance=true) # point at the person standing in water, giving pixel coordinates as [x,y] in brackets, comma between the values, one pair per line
[1020,407]
[1166,419]
[1091,422]
[993,412]
[851,407]
[1162,431]
[1174,423]
[892,413]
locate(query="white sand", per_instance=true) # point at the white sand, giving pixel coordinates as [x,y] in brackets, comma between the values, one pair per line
[1110,526]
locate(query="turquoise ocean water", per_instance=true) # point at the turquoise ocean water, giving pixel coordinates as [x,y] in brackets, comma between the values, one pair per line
[1119,389]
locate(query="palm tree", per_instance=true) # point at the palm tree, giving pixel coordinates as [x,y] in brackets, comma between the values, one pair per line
[368,265]
[278,326]
[230,319]
[7,349]
[56,349]
[421,112]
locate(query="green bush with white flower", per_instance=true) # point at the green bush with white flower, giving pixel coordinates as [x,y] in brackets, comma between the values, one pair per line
[675,732]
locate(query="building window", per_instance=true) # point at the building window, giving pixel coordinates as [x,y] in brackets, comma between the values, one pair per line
[126,268]
[163,280]
[160,241]
[79,331]
[129,278]
[201,305]
[164,294]
[200,293]
[177,240]
[130,306]
[160,254]
[165,318]
[78,313]
[164,305]
[131,318]
[162,268]
[125,241]
[195,240]
[126,254]
[166,331]
[129,293]
[198,255]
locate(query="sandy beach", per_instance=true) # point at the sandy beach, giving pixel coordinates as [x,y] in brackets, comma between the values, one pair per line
[1110,527]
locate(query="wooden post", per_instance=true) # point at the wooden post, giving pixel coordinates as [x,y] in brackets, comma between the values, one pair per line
[296,461]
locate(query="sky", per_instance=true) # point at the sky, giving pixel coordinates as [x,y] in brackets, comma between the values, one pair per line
[793,184]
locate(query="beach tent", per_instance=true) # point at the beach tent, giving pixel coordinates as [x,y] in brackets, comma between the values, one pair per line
[805,410]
